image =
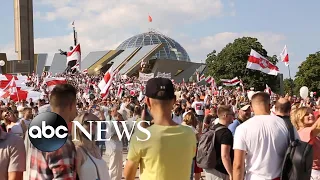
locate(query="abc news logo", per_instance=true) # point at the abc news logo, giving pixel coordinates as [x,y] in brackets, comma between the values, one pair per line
[49,131]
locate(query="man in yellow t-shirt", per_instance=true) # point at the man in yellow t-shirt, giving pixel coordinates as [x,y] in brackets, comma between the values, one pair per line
[168,153]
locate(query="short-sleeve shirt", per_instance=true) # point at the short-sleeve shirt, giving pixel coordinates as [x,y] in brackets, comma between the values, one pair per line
[198,107]
[233,126]
[264,138]
[12,154]
[223,136]
[167,155]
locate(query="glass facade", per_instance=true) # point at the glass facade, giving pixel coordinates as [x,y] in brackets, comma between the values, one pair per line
[171,50]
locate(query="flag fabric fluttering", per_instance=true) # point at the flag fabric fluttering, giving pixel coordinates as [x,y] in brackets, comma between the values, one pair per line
[268,90]
[21,95]
[198,76]
[285,56]
[74,55]
[260,63]
[120,91]
[149,18]
[52,82]
[230,82]
[105,84]
[208,79]
[213,84]
[77,66]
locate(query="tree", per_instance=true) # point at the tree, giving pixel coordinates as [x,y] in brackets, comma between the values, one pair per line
[309,73]
[289,86]
[232,60]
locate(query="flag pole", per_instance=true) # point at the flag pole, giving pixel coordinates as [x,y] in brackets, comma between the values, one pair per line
[291,81]
[74,34]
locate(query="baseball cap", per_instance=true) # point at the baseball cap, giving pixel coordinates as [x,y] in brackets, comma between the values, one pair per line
[245,107]
[160,88]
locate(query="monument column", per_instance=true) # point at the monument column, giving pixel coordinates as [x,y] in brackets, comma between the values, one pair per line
[23,26]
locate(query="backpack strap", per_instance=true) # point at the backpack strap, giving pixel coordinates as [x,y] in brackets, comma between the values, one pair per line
[290,128]
[219,128]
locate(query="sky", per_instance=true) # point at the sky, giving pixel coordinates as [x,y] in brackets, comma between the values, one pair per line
[200,26]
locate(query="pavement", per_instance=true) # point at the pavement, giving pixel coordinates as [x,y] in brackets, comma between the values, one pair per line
[124,156]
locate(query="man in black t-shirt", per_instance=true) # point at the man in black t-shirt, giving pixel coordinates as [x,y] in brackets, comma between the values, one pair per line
[223,146]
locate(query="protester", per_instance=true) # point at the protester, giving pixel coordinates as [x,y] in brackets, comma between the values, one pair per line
[223,146]
[309,131]
[166,155]
[49,165]
[191,121]
[90,164]
[12,156]
[161,115]
[114,147]
[243,114]
[260,159]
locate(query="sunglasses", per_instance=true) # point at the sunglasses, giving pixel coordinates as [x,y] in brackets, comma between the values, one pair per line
[7,113]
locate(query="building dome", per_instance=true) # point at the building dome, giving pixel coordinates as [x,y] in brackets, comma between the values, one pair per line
[172,50]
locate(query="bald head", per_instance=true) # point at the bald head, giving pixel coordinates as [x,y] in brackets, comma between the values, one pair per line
[283,107]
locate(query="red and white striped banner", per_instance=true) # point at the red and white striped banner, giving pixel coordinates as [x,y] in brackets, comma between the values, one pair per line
[230,82]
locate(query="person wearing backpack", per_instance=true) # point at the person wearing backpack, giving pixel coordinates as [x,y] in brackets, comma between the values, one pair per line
[215,154]
[260,143]
[308,128]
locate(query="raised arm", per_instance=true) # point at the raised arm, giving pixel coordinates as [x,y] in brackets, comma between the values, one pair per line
[63,52]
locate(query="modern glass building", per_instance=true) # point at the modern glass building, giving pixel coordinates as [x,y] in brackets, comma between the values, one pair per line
[171,50]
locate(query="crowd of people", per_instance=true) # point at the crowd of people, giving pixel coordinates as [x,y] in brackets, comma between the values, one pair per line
[250,142]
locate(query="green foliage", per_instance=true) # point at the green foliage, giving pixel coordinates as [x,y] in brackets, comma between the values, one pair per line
[289,86]
[309,73]
[232,60]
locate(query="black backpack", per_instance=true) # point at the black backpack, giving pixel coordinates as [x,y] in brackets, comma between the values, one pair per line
[297,164]
[206,154]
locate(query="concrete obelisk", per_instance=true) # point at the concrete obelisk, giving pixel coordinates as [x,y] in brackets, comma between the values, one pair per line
[23,30]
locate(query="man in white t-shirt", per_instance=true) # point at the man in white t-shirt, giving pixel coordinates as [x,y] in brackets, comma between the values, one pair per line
[198,106]
[260,143]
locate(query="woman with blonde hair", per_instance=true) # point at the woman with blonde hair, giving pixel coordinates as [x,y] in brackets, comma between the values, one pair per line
[191,120]
[309,130]
[90,164]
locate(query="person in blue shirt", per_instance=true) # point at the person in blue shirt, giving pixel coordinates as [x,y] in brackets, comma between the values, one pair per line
[243,115]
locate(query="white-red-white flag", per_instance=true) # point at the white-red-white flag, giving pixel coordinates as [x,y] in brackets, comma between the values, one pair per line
[74,55]
[106,82]
[198,76]
[52,82]
[21,95]
[208,79]
[202,77]
[230,82]
[260,63]
[85,71]
[77,67]
[149,18]
[285,56]
[12,87]
[268,90]
[120,91]
[213,84]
